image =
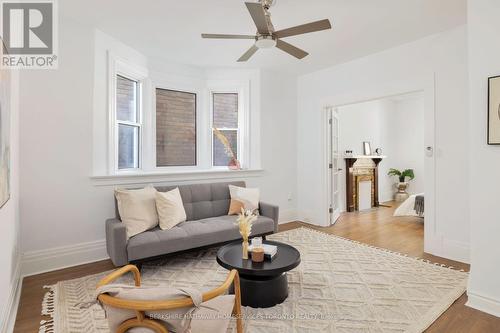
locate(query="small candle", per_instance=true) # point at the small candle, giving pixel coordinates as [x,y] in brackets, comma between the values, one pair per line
[257,242]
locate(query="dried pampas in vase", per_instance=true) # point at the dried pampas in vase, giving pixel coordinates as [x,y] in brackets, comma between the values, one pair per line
[244,221]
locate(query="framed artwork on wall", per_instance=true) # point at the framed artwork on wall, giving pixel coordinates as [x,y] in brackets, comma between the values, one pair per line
[4,134]
[494,110]
[367,148]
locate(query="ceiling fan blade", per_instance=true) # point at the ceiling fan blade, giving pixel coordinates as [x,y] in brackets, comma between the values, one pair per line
[248,54]
[290,49]
[224,36]
[304,29]
[259,17]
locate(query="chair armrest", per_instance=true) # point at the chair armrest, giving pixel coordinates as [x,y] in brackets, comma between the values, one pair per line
[118,273]
[116,242]
[270,211]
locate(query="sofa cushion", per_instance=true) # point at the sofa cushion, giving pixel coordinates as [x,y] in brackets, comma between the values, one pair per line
[191,234]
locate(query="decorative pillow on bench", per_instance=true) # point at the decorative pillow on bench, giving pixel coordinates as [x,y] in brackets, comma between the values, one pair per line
[242,197]
[137,209]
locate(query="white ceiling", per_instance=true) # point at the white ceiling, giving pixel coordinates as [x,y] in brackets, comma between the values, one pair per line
[170,29]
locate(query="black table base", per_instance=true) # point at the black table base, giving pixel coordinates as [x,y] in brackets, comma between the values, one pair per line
[263,292]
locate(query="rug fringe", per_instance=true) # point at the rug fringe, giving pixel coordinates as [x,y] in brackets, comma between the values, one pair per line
[48,307]
[385,250]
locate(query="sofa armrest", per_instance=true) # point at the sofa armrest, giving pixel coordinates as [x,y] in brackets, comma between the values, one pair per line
[116,242]
[270,211]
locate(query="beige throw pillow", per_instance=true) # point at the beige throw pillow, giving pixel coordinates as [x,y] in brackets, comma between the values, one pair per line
[248,198]
[170,208]
[137,209]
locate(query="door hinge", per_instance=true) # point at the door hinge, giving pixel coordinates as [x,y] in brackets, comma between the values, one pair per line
[330,210]
[330,121]
[330,166]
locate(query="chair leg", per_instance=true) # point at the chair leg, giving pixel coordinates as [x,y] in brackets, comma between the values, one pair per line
[237,304]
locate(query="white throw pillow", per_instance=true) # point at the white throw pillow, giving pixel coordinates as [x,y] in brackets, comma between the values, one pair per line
[137,209]
[170,208]
[248,198]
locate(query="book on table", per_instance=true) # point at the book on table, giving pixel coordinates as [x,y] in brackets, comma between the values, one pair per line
[269,250]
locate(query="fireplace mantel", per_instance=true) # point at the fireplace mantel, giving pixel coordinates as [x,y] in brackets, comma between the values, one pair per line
[365,156]
[350,179]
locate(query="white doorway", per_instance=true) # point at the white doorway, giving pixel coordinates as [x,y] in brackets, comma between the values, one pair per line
[397,124]
[425,82]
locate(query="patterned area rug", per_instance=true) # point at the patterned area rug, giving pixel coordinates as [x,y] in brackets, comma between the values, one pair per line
[340,286]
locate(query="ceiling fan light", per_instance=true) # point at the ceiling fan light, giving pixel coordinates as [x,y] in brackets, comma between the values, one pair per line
[265,42]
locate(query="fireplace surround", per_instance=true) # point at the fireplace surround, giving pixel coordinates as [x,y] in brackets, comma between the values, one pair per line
[358,169]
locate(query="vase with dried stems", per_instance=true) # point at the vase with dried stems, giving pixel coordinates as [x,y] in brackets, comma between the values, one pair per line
[233,164]
[244,222]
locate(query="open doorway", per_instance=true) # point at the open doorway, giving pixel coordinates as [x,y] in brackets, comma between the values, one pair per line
[376,152]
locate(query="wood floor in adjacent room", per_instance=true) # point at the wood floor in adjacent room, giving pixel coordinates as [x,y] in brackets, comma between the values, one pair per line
[376,227]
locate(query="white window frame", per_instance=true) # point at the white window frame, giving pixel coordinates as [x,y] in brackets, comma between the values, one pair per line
[239,146]
[190,88]
[242,89]
[118,66]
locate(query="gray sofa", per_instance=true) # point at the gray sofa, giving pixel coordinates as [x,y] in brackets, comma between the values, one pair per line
[207,224]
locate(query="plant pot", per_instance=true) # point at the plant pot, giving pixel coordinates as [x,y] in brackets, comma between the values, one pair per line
[401,194]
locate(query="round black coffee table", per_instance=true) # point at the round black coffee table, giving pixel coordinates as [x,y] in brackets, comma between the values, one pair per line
[264,284]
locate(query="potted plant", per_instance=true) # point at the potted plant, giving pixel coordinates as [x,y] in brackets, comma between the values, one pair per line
[401,194]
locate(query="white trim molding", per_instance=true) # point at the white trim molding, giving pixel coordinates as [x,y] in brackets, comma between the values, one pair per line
[483,303]
[9,313]
[287,216]
[178,177]
[48,260]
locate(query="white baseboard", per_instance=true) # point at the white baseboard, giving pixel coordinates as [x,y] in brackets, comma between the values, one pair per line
[9,313]
[288,216]
[455,250]
[385,197]
[42,261]
[483,303]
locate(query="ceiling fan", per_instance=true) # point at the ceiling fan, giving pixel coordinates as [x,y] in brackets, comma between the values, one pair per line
[267,37]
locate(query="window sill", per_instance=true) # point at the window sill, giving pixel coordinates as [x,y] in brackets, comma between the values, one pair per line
[175,177]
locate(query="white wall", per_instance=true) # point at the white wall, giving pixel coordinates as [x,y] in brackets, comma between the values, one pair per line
[396,126]
[63,211]
[443,55]
[9,222]
[484,61]
[404,137]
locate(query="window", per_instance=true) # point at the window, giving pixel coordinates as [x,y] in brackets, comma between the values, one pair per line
[225,118]
[128,122]
[175,128]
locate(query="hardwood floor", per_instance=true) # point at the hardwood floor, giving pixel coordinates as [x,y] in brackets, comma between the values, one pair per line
[376,227]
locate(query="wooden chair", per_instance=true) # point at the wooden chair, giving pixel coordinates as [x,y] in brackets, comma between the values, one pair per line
[141,306]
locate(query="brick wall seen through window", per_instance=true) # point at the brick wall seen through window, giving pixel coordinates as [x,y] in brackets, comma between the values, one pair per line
[175,128]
